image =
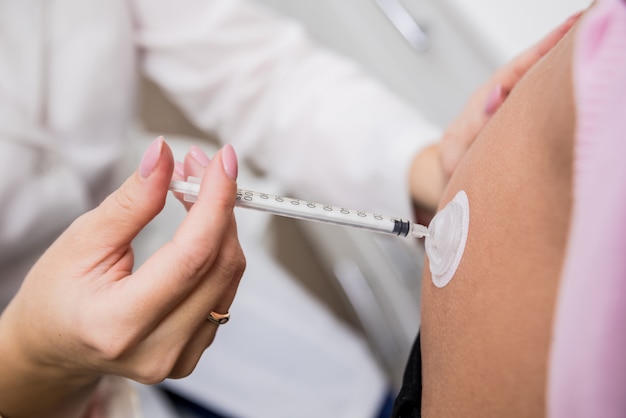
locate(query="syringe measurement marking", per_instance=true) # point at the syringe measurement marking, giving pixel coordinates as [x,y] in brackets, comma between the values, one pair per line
[248,196]
[370,221]
[297,208]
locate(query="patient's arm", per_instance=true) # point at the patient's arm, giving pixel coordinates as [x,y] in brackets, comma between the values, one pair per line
[433,167]
[485,336]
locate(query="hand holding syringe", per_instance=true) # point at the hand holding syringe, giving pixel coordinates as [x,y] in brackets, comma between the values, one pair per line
[301,209]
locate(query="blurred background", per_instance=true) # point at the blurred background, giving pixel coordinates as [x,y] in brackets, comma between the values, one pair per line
[434,53]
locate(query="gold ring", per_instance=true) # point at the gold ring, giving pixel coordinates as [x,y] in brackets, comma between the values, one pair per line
[219,318]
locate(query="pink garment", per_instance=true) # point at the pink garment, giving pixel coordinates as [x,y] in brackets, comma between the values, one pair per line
[587,376]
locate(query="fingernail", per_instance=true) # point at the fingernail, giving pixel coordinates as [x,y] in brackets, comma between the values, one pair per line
[229,159]
[574,17]
[151,157]
[199,155]
[179,169]
[494,100]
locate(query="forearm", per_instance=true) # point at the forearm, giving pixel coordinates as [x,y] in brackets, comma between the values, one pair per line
[313,121]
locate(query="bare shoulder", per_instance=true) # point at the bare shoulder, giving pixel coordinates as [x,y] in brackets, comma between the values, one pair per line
[485,335]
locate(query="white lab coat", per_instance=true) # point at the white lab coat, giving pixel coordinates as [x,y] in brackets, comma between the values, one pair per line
[310,120]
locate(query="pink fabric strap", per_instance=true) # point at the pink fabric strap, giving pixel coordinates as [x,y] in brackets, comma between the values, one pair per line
[587,375]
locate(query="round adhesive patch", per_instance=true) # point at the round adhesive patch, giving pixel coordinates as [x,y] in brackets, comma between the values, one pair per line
[446,243]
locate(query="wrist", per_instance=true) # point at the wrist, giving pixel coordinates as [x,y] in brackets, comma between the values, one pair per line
[427,180]
[29,387]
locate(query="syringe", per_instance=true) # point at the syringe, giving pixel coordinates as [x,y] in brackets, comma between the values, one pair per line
[311,211]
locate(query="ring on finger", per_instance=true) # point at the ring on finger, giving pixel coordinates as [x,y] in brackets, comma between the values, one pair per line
[219,318]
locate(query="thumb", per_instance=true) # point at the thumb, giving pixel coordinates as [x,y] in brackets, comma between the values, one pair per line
[125,212]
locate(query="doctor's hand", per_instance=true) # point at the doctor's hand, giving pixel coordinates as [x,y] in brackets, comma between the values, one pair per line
[83,313]
[193,165]
[462,132]
[433,168]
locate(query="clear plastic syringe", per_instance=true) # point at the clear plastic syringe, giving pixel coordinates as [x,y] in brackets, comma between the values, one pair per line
[311,211]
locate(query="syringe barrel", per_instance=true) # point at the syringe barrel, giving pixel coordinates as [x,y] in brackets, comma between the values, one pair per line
[312,211]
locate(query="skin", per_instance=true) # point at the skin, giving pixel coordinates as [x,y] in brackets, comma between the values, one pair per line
[83,313]
[432,169]
[61,327]
[485,336]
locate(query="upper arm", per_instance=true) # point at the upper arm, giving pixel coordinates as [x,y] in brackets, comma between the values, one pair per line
[485,336]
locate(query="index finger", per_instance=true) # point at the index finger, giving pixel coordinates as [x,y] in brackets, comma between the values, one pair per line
[175,269]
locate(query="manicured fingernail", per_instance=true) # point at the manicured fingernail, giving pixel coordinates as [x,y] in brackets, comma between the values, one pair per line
[179,169]
[574,17]
[229,159]
[494,100]
[151,158]
[199,155]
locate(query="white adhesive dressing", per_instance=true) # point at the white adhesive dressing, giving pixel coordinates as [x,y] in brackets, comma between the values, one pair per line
[446,243]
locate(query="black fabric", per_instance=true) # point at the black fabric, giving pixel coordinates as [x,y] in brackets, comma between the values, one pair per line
[408,403]
[188,408]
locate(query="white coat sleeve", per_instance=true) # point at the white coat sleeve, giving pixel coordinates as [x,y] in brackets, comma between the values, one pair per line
[310,119]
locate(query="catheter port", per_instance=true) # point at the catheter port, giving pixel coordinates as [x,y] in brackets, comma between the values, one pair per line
[446,243]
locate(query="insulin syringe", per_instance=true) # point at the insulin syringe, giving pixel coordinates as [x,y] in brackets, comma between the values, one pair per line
[311,211]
